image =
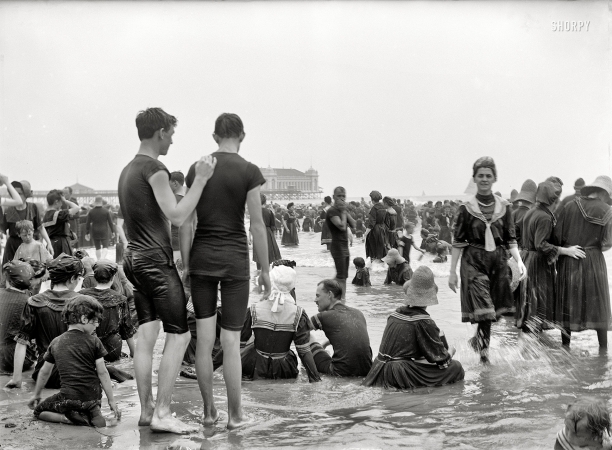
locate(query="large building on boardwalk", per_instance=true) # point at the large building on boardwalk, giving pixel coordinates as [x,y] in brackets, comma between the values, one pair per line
[290,183]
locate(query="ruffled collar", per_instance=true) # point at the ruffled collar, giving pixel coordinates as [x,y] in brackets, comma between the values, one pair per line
[411,311]
[52,299]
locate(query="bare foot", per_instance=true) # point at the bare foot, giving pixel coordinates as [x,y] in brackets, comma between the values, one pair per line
[236,423]
[211,419]
[171,424]
[146,414]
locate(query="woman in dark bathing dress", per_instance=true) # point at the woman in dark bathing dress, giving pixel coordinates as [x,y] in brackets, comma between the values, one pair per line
[483,228]
[537,290]
[290,227]
[375,237]
[270,222]
[583,294]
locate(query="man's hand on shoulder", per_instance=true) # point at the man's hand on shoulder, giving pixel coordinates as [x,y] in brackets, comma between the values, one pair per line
[205,167]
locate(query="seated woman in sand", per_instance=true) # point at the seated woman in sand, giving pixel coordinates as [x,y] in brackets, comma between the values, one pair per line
[413,351]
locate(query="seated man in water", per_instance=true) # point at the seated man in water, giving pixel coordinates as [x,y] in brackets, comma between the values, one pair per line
[346,330]
[585,424]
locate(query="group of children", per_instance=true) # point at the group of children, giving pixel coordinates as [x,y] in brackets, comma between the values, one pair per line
[75,335]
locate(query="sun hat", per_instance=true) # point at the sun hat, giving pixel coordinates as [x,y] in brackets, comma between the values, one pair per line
[528,192]
[282,279]
[579,184]
[393,256]
[513,194]
[421,289]
[601,182]
[25,186]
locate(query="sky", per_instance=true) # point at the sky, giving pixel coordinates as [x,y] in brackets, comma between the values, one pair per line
[401,97]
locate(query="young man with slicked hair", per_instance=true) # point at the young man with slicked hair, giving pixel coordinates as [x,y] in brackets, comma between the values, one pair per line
[147,203]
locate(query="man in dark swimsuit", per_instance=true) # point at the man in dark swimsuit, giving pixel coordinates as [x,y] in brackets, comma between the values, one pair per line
[346,330]
[336,221]
[147,203]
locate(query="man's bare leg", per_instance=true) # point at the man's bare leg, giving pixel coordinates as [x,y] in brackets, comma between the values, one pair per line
[143,367]
[162,420]
[232,373]
[204,367]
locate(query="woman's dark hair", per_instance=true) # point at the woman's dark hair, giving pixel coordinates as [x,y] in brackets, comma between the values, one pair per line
[327,199]
[359,262]
[289,205]
[389,201]
[82,305]
[178,177]
[228,125]
[53,196]
[332,286]
[152,119]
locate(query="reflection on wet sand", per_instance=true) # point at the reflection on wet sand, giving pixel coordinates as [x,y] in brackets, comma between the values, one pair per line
[516,402]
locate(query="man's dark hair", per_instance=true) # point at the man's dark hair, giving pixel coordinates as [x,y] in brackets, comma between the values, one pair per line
[53,196]
[152,119]
[82,305]
[69,189]
[229,125]
[327,199]
[332,286]
[178,177]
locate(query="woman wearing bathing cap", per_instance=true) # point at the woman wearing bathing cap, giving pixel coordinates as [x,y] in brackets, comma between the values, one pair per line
[276,323]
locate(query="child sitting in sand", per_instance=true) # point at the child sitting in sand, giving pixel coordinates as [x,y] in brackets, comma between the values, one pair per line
[362,277]
[586,422]
[79,357]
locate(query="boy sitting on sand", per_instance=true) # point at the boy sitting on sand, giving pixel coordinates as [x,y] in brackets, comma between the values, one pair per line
[79,357]
[587,424]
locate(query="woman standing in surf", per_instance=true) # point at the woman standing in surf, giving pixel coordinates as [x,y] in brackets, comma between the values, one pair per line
[483,228]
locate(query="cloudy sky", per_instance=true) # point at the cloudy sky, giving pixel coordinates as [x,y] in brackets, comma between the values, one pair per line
[399,97]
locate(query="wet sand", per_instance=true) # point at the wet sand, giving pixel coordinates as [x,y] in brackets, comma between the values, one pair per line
[516,402]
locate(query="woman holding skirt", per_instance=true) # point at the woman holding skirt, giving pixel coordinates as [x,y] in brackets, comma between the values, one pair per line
[483,228]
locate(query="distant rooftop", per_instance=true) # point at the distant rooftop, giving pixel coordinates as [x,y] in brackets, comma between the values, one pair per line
[78,188]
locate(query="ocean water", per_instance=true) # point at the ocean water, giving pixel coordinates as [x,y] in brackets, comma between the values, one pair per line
[518,401]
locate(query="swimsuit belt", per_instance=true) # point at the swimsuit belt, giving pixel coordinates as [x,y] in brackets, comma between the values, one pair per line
[386,358]
[272,355]
[481,247]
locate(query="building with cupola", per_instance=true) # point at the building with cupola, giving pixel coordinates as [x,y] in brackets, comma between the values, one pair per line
[290,183]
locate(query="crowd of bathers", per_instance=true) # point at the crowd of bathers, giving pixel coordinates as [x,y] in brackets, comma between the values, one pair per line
[532,256]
